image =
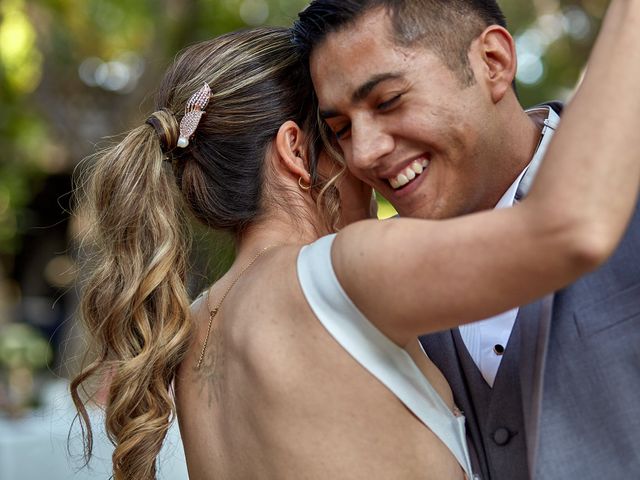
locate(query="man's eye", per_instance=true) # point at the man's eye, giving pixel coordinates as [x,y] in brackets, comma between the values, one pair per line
[342,132]
[388,103]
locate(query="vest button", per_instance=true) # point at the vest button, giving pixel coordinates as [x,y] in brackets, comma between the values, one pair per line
[501,436]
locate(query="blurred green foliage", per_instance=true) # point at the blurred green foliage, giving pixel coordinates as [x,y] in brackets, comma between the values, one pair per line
[23,346]
[53,112]
[75,71]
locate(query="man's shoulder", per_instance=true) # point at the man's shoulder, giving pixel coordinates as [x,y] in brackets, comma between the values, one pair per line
[619,274]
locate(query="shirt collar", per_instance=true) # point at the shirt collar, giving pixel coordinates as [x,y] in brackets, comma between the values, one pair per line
[520,187]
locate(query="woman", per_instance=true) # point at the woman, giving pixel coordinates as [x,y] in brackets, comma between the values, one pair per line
[269,364]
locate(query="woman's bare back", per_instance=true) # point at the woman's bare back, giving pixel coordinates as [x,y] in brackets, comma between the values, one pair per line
[277,397]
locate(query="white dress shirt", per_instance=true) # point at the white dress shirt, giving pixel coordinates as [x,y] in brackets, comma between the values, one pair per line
[486,340]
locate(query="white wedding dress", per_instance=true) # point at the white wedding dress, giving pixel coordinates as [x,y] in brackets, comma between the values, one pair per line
[385,360]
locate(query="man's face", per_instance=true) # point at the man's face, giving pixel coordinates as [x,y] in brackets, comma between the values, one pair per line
[404,121]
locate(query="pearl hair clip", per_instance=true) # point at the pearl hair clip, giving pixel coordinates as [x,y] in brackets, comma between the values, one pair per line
[192,114]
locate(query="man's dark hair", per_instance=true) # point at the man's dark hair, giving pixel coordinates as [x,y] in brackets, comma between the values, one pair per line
[447,27]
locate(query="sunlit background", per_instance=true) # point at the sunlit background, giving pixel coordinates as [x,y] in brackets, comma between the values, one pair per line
[73,72]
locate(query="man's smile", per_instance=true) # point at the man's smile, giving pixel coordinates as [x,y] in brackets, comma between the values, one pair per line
[409,173]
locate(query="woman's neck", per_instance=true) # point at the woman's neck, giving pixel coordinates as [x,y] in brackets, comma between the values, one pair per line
[278,230]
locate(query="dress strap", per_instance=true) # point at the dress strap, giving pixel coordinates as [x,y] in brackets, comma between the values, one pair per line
[385,360]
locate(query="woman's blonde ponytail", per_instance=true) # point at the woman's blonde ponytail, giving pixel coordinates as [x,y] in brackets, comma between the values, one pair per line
[134,304]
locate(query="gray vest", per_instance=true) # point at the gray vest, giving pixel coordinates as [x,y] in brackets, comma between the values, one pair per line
[495,423]
[498,424]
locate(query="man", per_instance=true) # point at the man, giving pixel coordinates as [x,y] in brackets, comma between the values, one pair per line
[419,97]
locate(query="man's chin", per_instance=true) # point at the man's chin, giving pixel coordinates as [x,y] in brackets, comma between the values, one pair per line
[425,213]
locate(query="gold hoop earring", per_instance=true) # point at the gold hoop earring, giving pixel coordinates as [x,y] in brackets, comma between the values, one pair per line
[302,186]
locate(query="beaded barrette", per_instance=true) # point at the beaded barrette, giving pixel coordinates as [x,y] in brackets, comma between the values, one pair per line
[192,114]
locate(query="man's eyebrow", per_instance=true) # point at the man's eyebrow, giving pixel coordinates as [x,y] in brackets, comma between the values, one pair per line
[327,114]
[363,91]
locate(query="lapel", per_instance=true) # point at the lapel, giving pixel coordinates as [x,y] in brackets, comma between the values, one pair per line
[535,324]
[535,319]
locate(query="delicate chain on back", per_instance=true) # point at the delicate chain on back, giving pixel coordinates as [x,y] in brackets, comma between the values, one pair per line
[213,312]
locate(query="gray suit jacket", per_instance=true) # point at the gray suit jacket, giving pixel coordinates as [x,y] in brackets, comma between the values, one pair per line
[579,370]
[585,363]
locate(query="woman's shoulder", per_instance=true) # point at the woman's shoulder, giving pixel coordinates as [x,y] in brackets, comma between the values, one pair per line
[198,308]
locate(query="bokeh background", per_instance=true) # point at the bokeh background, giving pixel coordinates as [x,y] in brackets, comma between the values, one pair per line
[75,72]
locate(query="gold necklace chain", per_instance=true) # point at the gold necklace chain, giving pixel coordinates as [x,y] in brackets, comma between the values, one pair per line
[213,312]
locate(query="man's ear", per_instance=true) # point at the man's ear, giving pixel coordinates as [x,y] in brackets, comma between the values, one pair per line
[499,60]
[291,149]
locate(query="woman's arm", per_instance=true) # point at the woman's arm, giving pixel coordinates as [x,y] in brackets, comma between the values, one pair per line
[415,276]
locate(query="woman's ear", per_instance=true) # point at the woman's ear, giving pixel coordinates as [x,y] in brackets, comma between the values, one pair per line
[291,149]
[498,54]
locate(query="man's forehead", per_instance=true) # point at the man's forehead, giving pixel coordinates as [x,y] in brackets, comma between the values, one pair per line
[355,35]
[350,58]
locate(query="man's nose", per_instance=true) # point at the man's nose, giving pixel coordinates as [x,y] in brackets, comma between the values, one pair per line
[370,143]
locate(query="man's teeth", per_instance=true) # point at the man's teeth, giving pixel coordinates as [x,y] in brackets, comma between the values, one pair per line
[409,173]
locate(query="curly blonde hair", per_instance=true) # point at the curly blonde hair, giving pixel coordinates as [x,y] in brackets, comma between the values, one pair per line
[134,304]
